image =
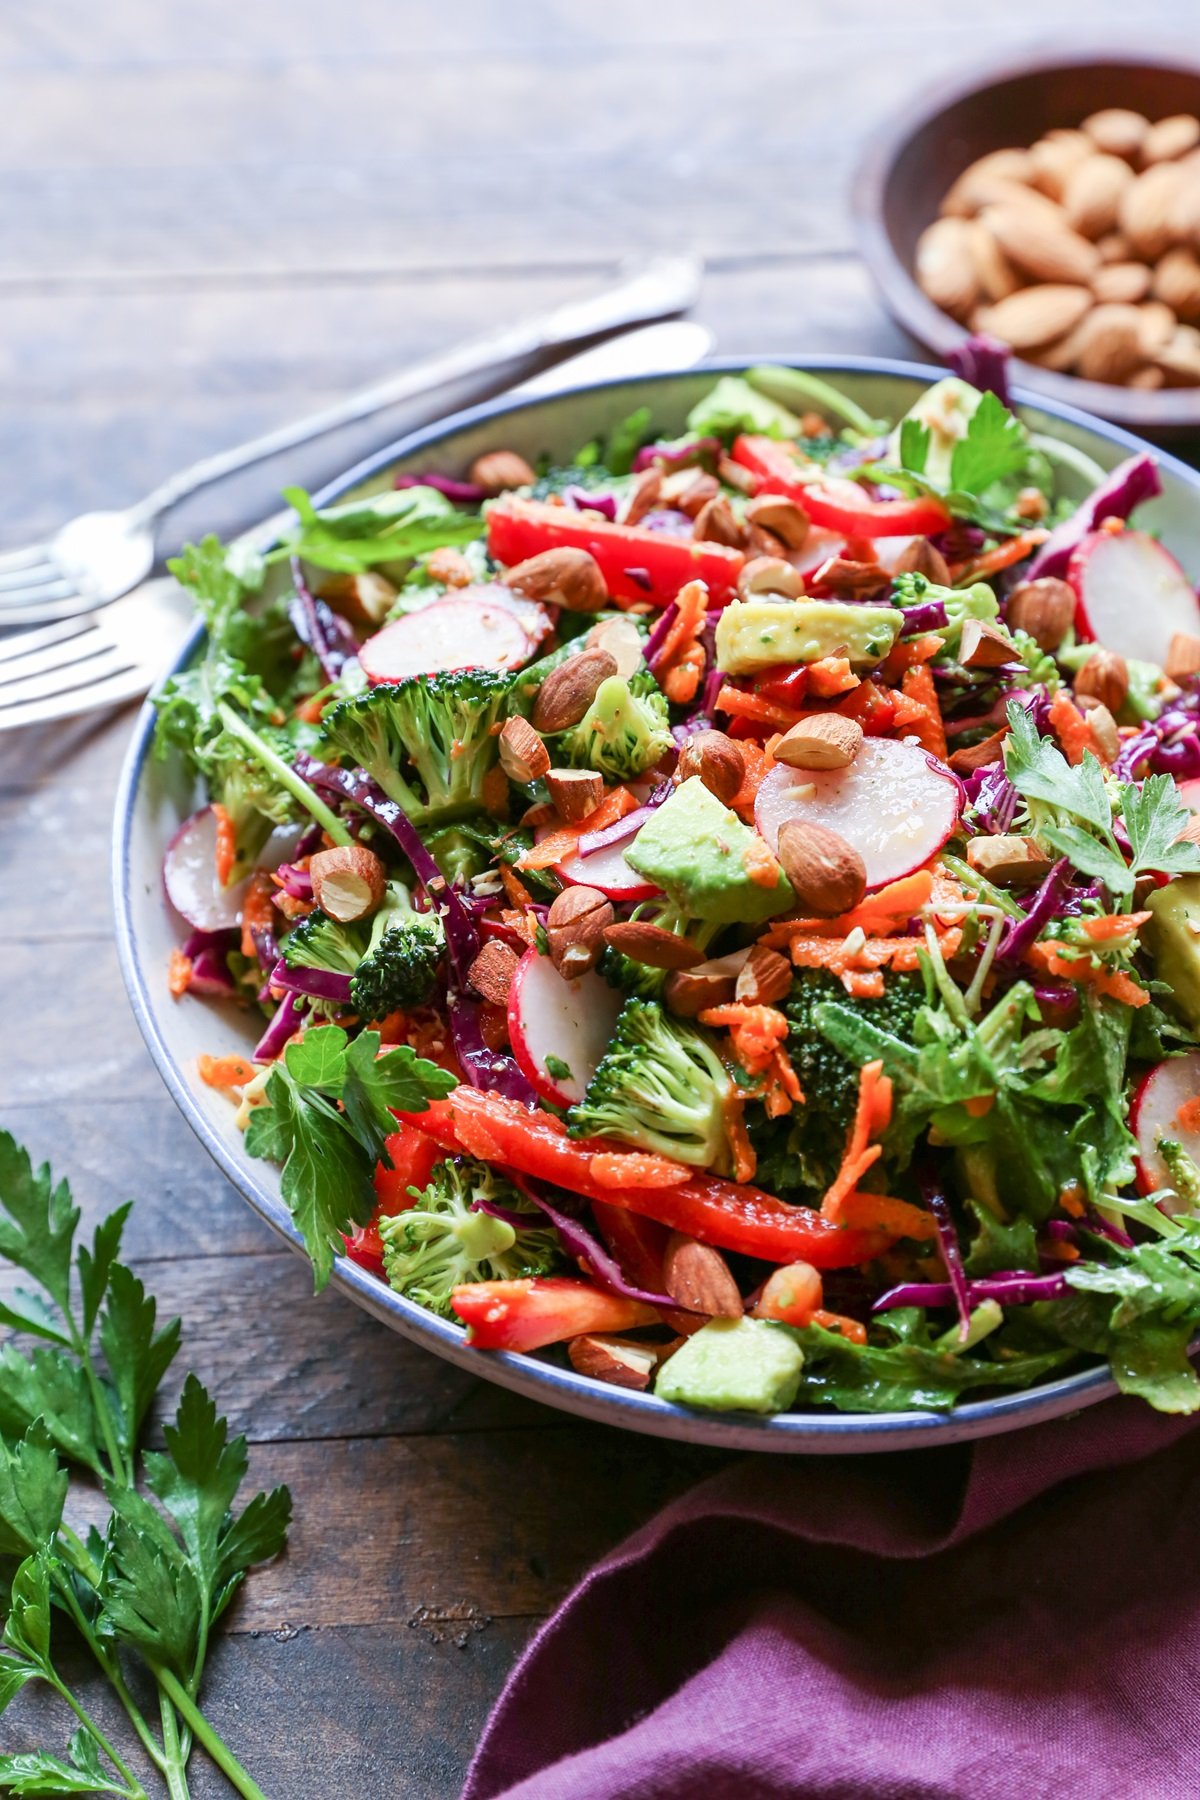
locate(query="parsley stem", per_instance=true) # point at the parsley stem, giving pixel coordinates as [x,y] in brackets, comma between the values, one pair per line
[122,1471]
[107,1660]
[136,1790]
[175,1772]
[284,774]
[220,1752]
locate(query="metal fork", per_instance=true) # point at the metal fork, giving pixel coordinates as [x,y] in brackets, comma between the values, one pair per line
[100,556]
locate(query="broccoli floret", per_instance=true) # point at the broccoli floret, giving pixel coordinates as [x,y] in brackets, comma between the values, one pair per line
[441,1243]
[438,727]
[391,959]
[661,1087]
[624,732]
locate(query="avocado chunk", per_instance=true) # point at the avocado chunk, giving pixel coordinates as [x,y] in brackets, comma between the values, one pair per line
[701,855]
[947,408]
[733,405]
[754,634]
[734,1365]
[1173,938]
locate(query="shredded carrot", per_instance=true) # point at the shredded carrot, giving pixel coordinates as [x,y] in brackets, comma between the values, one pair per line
[258,910]
[559,844]
[756,1031]
[782,1090]
[745,1162]
[741,705]
[691,611]
[907,653]
[1003,556]
[979,1105]
[853,1329]
[632,1168]
[680,683]
[756,762]
[1113,925]
[494,792]
[1071,1201]
[847,1179]
[523,923]
[882,1212]
[893,904]
[1188,1116]
[830,676]
[1070,727]
[917,686]
[872,1113]
[225,1071]
[816,952]
[179,973]
[226,844]
[519,895]
[759,863]
[1114,983]
[863,987]
[310,710]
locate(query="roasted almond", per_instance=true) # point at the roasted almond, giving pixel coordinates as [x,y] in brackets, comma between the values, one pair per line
[1110,343]
[983,645]
[645,497]
[365,599]
[920,557]
[979,756]
[1046,248]
[717,760]
[715,524]
[348,882]
[1114,247]
[575,792]
[945,266]
[565,577]
[1183,656]
[769,575]
[712,983]
[697,1277]
[1031,504]
[1146,208]
[976,185]
[845,576]
[1093,192]
[569,690]
[1043,608]
[1124,282]
[780,516]
[996,275]
[500,470]
[1177,283]
[1179,357]
[450,567]
[652,945]
[827,873]
[492,971]
[1157,326]
[1056,156]
[701,488]
[1037,315]
[1170,139]
[622,1362]
[1102,726]
[523,756]
[735,476]
[623,641]
[766,977]
[1117,130]
[575,927]
[822,741]
[1104,676]
[1008,861]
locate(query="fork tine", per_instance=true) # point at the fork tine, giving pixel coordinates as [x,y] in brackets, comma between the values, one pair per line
[24,559]
[20,643]
[111,691]
[73,676]
[64,652]
[43,583]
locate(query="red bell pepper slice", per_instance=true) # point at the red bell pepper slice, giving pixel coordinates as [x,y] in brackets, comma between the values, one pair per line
[845,506]
[725,1213]
[784,684]
[637,564]
[542,1309]
[413,1159]
[775,463]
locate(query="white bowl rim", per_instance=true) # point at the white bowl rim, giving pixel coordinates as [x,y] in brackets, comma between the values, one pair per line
[809,1432]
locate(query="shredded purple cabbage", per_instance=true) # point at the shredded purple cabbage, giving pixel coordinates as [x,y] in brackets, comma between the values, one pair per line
[295,882]
[1046,904]
[616,833]
[675,455]
[1129,484]
[287,1021]
[992,799]
[266,947]
[640,578]
[463,493]
[1168,745]
[939,1206]
[667,519]
[658,637]
[318,984]
[582,1244]
[207,951]
[327,635]
[591,500]
[983,362]
[959,541]
[927,615]
[1058,1000]
[1012,1287]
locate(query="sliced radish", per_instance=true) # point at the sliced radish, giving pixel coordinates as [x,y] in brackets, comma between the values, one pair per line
[607,871]
[534,619]
[1155,1115]
[817,548]
[892,803]
[454,633]
[1189,793]
[566,1023]
[190,876]
[1131,594]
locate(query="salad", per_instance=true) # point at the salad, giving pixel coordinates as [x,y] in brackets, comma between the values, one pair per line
[729,907]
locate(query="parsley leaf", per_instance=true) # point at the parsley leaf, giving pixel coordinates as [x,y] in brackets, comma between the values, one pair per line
[36,1772]
[138,1356]
[33,1490]
[993,448]
[1153,818]
[389,527]
[38,1232]
[51,1386]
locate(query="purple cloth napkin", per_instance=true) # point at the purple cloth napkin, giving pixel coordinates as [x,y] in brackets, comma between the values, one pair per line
[1005,1621]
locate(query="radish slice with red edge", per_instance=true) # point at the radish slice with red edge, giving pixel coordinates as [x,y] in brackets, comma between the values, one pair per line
[190,876]
[559,1029]
[1155,1115]
[893,803]
[454,633]
[1131,594]
[608,872]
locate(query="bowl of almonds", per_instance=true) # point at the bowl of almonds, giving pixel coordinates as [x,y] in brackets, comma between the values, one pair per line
[1055,207]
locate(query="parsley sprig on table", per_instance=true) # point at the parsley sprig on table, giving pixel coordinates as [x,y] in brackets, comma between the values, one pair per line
[151,1586]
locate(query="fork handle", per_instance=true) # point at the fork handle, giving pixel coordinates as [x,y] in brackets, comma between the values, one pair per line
[650,290]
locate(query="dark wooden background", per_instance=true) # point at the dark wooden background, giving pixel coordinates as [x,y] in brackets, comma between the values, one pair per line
[212,217]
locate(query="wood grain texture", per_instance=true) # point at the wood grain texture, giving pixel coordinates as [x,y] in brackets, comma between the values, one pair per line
[214,217]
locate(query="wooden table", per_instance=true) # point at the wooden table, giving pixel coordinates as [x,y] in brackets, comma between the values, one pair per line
[216,216]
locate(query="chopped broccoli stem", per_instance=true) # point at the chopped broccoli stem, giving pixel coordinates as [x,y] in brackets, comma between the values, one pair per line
[661,1087]
[443,1242]
[286,776]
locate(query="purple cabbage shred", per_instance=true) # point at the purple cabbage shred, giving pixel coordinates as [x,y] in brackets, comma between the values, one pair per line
[327,635]
[983,362]
[1130,483]
[463,493]
[287,1021]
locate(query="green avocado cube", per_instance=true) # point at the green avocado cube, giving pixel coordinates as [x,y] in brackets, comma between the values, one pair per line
[734,1365]
[756,634]
[701,854]
[1173,938]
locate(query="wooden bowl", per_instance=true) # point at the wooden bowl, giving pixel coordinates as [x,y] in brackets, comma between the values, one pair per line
[910,164]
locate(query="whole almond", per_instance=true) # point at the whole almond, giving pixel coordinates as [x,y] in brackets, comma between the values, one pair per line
[1185,207]
[575,927]
[822,741]
[501,470]
[827,873]
[735,476]
[983,645]
[1114,248]
[1062,354]
[701,488]
[712,983]
[766,977]
[979,756]
[652,945]
[1008,861]
[1170,139]
[523,756]
[348,882]
[761,542]
[1145,212]
[1110,343]
[1104,676]
[976,185]
[1043,608]
[1055,157]
[775,513]
[1037,315]
[1031,504]
[1102,726]
[622,1362]
[1147,380]
[1177,283]
[1117,130]
[1179,357]
[920,557]
[1157,326]
[718,761]
[715,524]
[1045,247]
[569,690]
[997,277]
[1093,194]
[645,497]
[367,599]
[1125,282]
[1183,656]
[566,577]
[945,267]
[697,1276]
[769,575]
[492,972]
[622,640]
[575,792]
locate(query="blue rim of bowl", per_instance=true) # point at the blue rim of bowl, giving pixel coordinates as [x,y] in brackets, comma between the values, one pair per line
[811,1432]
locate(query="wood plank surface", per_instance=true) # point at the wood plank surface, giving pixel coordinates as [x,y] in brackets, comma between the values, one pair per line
[214,217]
